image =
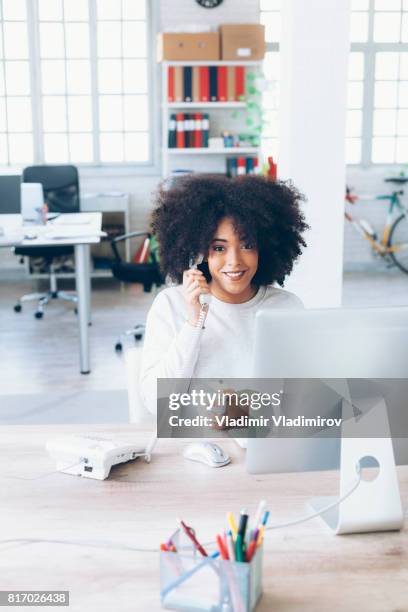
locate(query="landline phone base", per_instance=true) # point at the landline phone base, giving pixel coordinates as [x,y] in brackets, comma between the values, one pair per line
[93,455]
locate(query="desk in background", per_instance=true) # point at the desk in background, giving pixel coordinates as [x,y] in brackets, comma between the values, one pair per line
[114,207]
[306,567]
[13,224]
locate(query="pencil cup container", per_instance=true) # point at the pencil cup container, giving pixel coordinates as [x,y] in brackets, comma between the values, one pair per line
[193,583]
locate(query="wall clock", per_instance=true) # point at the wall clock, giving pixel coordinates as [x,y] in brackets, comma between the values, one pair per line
[209,3]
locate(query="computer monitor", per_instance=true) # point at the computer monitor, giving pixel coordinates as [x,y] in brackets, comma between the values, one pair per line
[363,343]
[10,194]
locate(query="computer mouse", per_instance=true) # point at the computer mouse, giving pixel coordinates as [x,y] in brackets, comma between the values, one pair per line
[208,453]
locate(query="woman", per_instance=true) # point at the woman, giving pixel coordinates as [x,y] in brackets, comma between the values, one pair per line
[249,230]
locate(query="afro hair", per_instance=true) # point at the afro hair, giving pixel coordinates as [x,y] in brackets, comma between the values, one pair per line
[263,212]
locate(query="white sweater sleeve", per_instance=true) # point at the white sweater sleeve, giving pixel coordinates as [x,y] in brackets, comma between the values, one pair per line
[167,352]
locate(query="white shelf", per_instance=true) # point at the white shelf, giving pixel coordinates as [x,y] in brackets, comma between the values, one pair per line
[214,105]
[210,151]
[212,63]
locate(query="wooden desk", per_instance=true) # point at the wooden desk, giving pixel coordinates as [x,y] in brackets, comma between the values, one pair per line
[305,567]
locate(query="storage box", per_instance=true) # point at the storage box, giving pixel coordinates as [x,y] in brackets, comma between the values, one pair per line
[173,46]
[242,41]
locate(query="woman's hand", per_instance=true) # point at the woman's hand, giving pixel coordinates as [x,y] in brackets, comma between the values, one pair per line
[194,284]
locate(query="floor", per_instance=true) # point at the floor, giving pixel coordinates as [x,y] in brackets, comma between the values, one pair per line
[41,356]
[375,288]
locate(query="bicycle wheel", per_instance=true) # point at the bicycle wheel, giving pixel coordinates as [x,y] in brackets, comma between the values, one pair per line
[399,237]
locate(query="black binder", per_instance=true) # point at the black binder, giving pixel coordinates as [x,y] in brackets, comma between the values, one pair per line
[188,83]
[213,84]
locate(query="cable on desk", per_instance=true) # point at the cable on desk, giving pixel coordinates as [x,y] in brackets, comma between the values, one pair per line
[104,544]
[91,543]
[308,517]
[67,467]
[330,506]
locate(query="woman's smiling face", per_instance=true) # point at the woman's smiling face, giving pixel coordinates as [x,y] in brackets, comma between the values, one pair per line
[232,263]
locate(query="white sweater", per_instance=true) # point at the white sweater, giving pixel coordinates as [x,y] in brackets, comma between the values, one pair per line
[224,349]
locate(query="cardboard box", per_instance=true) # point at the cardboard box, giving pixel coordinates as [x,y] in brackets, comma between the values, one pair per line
[242,41]
[173,46]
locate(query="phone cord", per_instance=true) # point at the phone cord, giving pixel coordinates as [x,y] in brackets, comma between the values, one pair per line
[202,316]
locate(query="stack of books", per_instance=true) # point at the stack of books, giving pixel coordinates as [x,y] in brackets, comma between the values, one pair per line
[206,83]
[188,130]
[237,166]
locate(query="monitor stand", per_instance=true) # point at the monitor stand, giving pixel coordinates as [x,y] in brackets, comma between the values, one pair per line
[375,505]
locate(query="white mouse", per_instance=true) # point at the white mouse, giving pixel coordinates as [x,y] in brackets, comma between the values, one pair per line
[206,452]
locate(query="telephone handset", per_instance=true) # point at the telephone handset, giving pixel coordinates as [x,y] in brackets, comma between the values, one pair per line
[204,298]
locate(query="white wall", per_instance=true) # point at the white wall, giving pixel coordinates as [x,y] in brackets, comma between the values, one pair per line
[176,13]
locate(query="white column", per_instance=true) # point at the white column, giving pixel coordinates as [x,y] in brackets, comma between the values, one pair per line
[314,56]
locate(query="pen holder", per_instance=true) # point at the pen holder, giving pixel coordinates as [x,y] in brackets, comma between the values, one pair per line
[193,583]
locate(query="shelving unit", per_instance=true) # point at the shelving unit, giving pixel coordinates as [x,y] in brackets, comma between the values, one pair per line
[207,105]
[213,151]
[219,120]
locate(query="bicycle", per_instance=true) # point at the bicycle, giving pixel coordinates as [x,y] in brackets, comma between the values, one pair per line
[393,245]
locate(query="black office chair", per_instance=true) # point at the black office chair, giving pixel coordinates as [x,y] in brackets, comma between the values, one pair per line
[61,193]
[147,274]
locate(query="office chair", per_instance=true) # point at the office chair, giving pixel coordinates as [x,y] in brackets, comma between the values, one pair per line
[61,193]
[147,274]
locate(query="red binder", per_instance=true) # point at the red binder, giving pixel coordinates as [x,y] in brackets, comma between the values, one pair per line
[222,83]
[241,166]
[170,77]
[180,142]
[204,84]
[239,82]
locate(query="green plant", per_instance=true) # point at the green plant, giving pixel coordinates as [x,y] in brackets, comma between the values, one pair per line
[253,114]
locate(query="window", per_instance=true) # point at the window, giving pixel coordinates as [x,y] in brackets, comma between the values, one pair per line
[355,99]
[380,34]
[390,116]
[74,82]
[16,121]
[377,112]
